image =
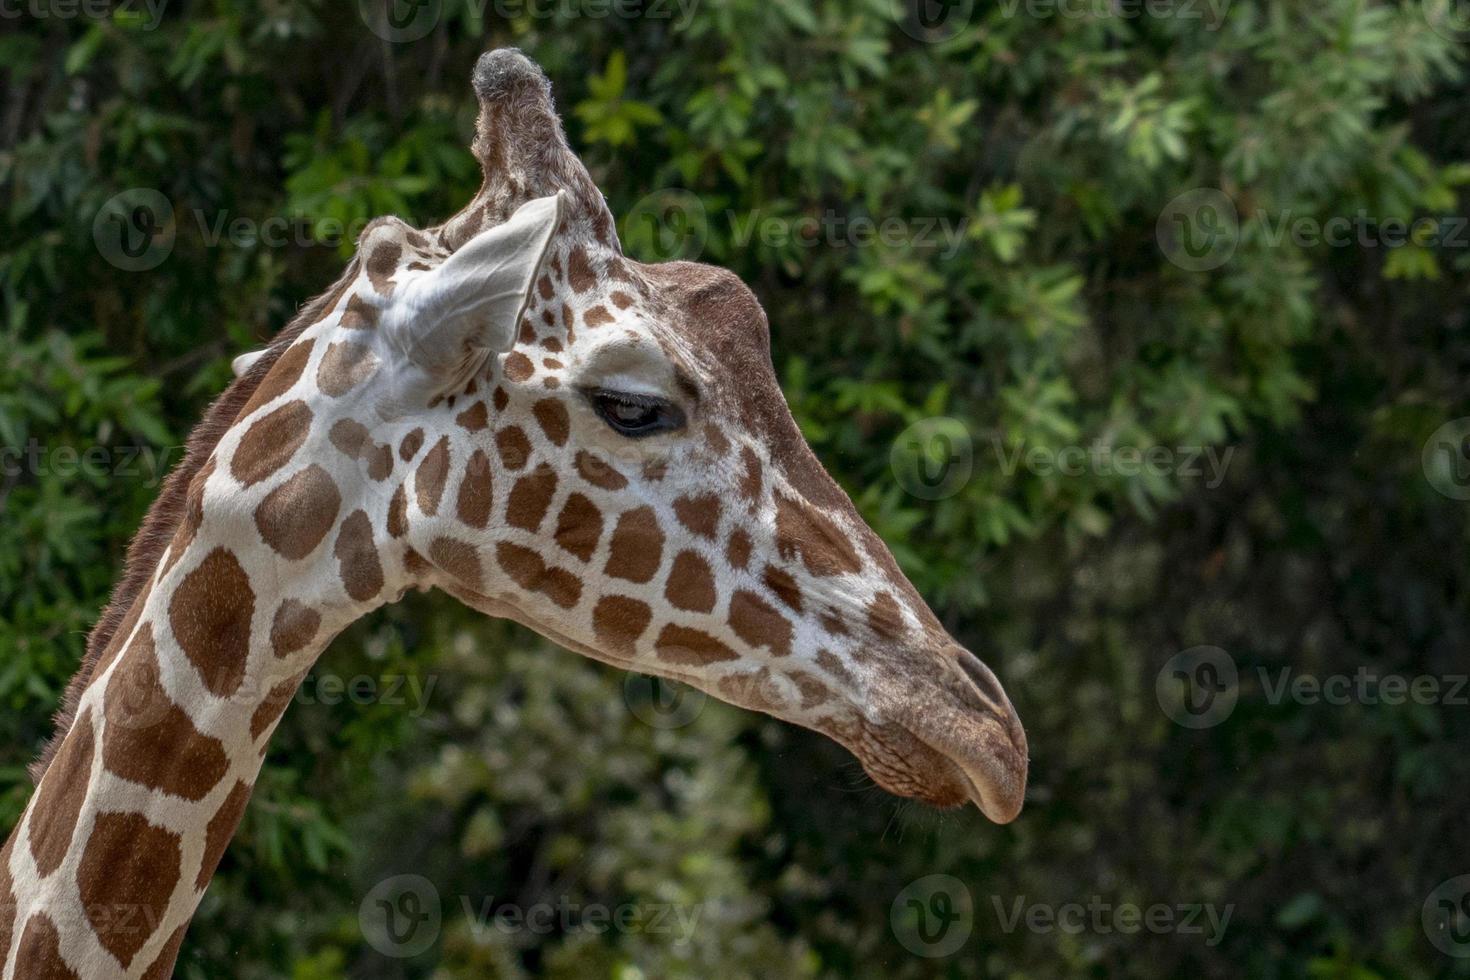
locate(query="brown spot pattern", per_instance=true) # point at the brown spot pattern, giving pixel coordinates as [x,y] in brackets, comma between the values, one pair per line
[804,530]
[293,627]
[476,491]
[432,472]
[357,557]
[7,902]
[359,314]
[398,513]
[598,316]
[475,418]
[343,367]
[784,586]
[598,473]
[618,622]
[348,435]
[552,415]
[150,740]
[270,442]
[715,439]
[382,263]
[221,828]
[130,863]
[411,444]
[579,271]
[163,967]
[269,711]
[530,498]
[738,549]
[636,547]
[699,514]
[210,617]
[691,584]
[514,447]
[518,367]
[885,618]
[39,955]
[459,559]
[692,648]
[759,623]
[281,377]
[295,516]
[579,527]
[751,482]
[60,798]
[527,569]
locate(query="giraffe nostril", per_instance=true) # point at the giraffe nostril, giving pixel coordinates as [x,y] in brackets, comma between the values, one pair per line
[983,678]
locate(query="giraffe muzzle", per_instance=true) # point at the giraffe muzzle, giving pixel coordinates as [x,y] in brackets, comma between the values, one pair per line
[979,733]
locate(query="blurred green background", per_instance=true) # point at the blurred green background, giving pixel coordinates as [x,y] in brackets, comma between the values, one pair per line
[1106,242]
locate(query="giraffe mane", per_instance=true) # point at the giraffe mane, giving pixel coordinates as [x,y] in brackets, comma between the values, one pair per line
[166,513]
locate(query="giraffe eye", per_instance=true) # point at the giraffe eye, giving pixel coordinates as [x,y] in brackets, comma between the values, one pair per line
[635,416]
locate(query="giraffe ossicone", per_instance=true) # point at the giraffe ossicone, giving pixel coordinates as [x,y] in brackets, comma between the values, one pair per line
[507,408]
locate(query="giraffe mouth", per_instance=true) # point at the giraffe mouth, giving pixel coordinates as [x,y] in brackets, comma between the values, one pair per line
[983,763]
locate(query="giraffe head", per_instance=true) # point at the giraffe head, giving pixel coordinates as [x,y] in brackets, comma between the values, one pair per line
[599,449]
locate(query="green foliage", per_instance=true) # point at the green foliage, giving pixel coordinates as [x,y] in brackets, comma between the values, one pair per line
[1025,291]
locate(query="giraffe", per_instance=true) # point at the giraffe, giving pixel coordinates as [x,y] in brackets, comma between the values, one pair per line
[505,408]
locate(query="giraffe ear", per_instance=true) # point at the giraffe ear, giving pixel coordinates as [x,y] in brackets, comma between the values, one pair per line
[469,307]
[245,362]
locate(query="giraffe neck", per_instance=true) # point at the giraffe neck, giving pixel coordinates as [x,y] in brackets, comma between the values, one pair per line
[109,862]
